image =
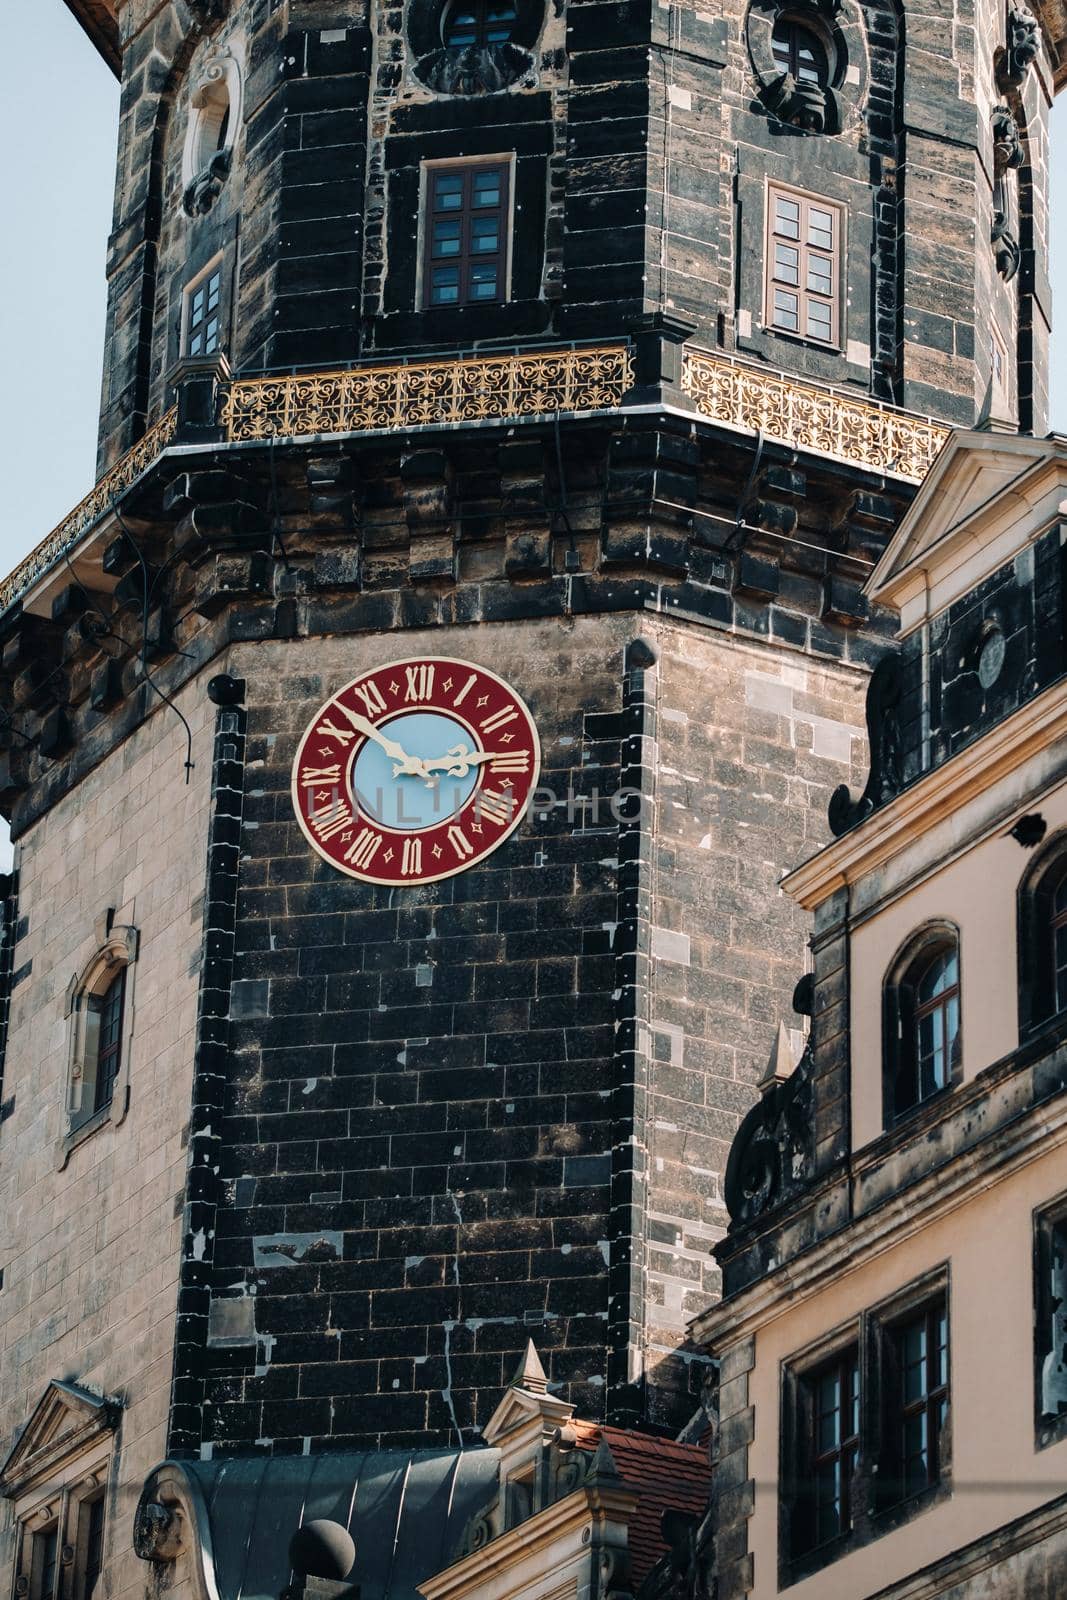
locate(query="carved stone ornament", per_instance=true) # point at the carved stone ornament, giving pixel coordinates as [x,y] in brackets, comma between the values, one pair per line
[1006,251]
[773,1149]
[157,1531]
[1016,58]
[806,106]
[885,776]
[214,120]
[1007,146]
[474,70]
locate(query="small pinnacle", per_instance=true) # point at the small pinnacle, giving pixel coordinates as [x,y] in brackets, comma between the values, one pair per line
[530,1374]
[780,1062]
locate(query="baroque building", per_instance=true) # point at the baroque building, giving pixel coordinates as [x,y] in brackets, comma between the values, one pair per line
[504,407]
[893,1404]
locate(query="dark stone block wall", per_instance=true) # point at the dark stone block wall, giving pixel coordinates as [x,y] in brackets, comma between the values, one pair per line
[426,1105]
[642,139]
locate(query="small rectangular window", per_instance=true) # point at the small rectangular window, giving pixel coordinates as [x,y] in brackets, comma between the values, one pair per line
[828,1401]
[916,1403]
[803,266]
[202,317]
[465,228]
[1050,1324]
[865,1432]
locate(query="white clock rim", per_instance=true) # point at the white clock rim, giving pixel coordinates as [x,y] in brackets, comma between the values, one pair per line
[463,866]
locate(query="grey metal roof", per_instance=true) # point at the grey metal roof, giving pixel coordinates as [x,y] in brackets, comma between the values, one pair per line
[405,1509]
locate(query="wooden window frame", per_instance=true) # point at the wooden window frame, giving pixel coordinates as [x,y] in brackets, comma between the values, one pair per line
[902,1015]
[466,259]
[1037,921]
[1050,1308]
[215,269]
[111,1007]
[870,1340]
[806,297]
[98,1070]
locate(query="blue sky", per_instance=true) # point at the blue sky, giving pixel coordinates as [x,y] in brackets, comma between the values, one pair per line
[58,120]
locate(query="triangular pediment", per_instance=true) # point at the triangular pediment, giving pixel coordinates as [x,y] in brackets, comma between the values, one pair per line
[64,1421]
[980,480]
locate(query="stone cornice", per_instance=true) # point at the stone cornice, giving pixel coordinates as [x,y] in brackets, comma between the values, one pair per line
[99,19]
[1028,1131]
[533,1538]
[1036,726]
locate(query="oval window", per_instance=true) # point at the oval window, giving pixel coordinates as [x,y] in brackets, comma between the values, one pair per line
[799,50]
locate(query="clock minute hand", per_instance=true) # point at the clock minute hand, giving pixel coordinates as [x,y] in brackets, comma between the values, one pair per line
[396,752]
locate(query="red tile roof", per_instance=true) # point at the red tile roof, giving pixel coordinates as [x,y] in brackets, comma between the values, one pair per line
[669,1477]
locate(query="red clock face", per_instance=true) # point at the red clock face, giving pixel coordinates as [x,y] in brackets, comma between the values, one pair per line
[415,771]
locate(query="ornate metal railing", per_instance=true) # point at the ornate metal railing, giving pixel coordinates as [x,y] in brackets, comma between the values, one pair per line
[459,390]
[126,470]
[830,423]
[420,393]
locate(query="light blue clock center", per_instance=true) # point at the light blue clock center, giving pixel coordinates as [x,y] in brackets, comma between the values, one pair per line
[406,800]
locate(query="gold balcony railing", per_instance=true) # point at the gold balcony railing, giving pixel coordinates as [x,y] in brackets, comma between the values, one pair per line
[126,470]
[427,393]
[805,417]
[401,395]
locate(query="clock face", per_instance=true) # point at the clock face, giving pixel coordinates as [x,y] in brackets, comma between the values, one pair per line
[415,770]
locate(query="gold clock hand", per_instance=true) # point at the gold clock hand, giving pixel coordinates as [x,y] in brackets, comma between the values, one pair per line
[458,762]
[406,764]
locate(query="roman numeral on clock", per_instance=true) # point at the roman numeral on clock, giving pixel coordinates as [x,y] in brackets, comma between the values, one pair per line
[419,681]
[371,696]
[326,823]
[508,762]
[411,857]
[311,777]
[327,730]
[499,719]
[364,847]
[466,689]
[460,843]
[497,807]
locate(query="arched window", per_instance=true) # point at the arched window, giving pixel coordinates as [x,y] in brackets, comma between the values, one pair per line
[798,50]
[1057,933]
[99,1008]
[1042,931]
[476,24]
[922,1020]
[105,1012]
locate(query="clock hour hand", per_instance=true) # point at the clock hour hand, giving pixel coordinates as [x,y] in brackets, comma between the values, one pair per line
[404,765]
[458,762]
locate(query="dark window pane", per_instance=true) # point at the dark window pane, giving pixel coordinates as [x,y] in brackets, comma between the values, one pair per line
[93,1512]
[447,237]
[483,282]
[110,1040]
[46,1553]
[478,24]
[485,235]
[486,189]
[448,193]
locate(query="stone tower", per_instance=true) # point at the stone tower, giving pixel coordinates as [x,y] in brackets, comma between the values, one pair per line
[591,348]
